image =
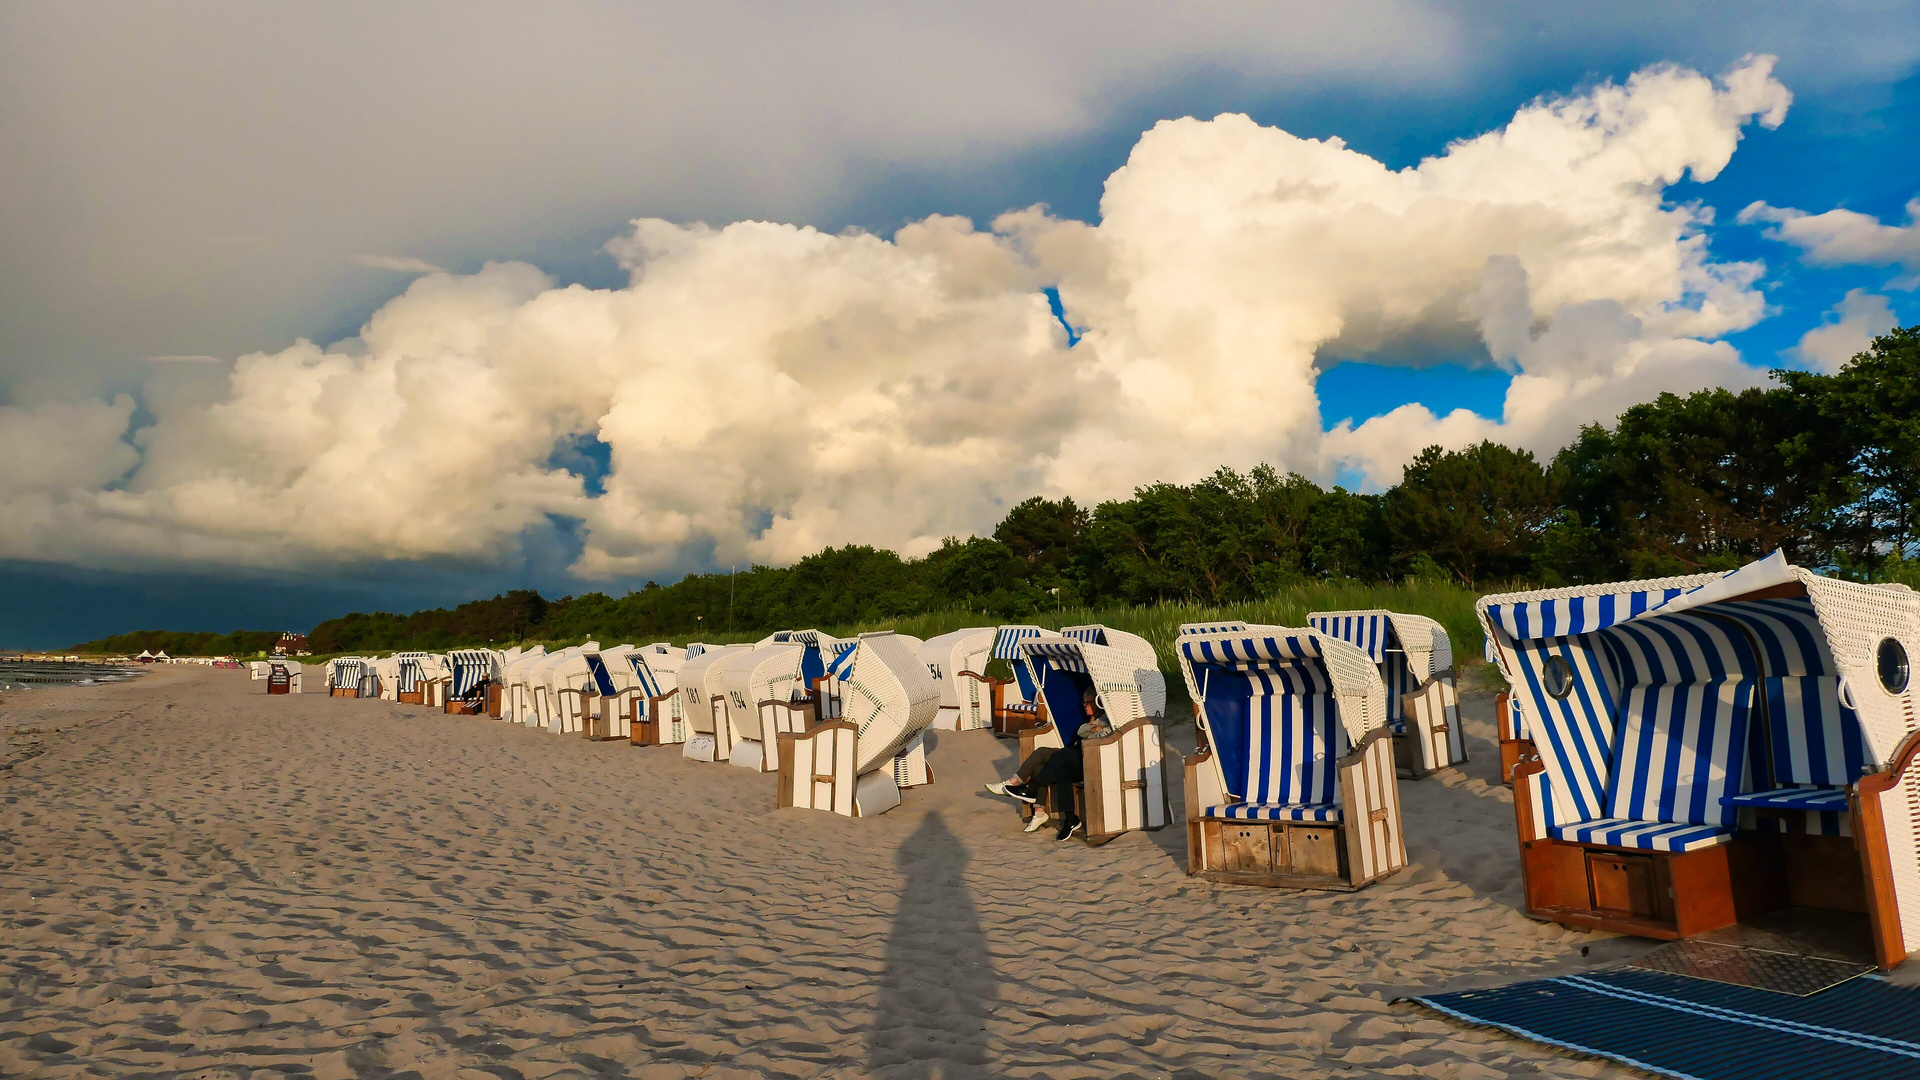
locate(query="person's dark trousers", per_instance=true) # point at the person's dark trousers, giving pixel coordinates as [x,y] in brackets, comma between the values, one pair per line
[1035,762]
[1065,768]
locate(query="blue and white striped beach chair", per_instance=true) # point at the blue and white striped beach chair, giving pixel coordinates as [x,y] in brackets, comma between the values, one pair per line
[1415,658]
[1297,786]
[1713,747]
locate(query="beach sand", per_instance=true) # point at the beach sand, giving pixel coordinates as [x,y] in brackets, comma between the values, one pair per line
[196,879]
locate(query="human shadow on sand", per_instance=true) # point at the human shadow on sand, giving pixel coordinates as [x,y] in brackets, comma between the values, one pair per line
[936,995]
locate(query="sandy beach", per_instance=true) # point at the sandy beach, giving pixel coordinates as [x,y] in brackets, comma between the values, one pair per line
[198,880]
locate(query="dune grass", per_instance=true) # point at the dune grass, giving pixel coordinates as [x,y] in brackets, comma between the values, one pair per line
[1448,604]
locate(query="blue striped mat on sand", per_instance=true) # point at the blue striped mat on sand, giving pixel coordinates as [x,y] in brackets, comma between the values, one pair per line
[1700,1030]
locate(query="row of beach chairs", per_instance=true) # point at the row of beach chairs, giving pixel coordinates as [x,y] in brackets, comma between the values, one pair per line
[1686,753]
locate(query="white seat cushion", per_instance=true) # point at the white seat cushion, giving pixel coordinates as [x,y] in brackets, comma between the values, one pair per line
[1646,835]
[1326,812]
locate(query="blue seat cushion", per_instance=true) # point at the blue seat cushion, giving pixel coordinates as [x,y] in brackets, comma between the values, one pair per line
[1645,835]
[1801,798]
[1326,812]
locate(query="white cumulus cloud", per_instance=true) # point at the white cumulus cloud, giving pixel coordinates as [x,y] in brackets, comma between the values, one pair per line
[1850,327]
[763,389]
[1844,237]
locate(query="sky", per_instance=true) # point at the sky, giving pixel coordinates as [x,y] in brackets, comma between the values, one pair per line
[310,309]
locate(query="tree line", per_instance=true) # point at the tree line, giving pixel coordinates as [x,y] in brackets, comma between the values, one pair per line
[184,643]
[1824,467]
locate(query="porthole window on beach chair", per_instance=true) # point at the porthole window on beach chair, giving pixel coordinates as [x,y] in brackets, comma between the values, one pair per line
[1556,677]
[1894,669]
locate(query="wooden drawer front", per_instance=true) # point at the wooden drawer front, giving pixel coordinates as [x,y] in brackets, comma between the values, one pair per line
[1246,849]
[1623,885]
[1314,850]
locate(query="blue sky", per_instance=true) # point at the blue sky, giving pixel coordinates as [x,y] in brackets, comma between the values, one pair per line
[934,115]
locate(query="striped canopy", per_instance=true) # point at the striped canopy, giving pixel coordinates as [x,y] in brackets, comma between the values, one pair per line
[1228,626]
[1369,631]
[1006,642]
[471,667]
[1269,701]
[1646,705]
[1251,648]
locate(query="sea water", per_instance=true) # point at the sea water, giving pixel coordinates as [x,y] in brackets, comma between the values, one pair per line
[36,674]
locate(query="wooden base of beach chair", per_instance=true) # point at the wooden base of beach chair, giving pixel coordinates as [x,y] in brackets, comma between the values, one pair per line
[411,697]
[1364,847]
[1433,739]
[493,701]
[652,721]
[461,707]
[1274,854]
[776,718]
[816,769]
[1670,895]
[1652,894]
[348,692]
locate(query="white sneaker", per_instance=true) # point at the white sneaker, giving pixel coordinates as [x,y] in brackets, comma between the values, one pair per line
[1038,821]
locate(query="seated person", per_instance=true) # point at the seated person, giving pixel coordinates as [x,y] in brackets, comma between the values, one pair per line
[1057,769]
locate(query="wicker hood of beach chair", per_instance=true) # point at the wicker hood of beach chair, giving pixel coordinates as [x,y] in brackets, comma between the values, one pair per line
[1415,658]
[699,677]
[1296,787]
[654,713]
[517,674]
[758,697]
[1706,749]
[881,700]
[958,662]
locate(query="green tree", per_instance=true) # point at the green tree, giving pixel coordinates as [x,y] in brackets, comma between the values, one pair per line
[1479,512]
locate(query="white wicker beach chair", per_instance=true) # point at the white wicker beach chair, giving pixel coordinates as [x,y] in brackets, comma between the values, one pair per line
[1415,657]
[956,661]
[1296,787]
[1711,748]
[517,704]
[881,701]
[655,713]
[759,698]
[1125,779]
[706,740]
[570,686]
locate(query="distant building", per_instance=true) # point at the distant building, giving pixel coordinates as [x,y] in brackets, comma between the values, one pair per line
[291,644]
